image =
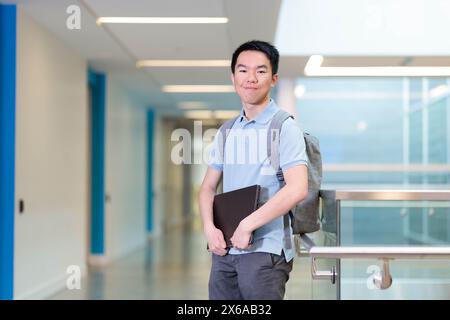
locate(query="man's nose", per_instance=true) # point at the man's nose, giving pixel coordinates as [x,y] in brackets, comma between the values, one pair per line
[252,77]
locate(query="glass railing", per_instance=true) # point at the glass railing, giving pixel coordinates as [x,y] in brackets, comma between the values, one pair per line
[383,244]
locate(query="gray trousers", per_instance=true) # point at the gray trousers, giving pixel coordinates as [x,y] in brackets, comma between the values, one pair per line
[250,276]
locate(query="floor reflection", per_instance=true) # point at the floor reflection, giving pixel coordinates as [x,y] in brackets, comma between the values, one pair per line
[175,266]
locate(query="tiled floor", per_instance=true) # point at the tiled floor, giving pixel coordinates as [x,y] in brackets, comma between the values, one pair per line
[176,267]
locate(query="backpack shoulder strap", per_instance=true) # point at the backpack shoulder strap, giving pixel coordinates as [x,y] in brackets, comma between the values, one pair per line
[223,133]
[273,138]
[273,143]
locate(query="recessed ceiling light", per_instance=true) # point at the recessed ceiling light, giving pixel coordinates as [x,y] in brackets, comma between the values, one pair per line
[192,105]
[162,20]
[198,114]
[226,114]
[299,90]
[183,63]
[439,91]
[208,114]
[198,88]
[314,68]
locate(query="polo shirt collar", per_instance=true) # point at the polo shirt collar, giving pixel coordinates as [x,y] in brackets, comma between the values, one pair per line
[265,115]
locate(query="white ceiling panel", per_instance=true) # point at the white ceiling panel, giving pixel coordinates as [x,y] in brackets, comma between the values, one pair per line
[90,41]
[251,19]
[114,48]
[157,8]
[176,41]
[194,76]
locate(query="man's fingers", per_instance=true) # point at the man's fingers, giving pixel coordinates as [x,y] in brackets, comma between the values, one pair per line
[221,241]
[218,249]
[220,252]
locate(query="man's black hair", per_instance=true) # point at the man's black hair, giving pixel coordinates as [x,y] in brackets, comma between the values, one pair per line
[255,45]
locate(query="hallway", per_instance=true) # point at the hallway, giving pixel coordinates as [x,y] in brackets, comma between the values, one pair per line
[170,267]
[109,110]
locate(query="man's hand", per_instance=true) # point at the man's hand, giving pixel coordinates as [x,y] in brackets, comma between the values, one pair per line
[216,242]
[242,236]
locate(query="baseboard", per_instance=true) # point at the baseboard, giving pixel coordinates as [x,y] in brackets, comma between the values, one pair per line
[48,288]
[98,260]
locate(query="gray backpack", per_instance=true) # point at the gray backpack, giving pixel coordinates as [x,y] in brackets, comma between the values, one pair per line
[305,216]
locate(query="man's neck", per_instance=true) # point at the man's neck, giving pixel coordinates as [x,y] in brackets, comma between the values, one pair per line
[252,110]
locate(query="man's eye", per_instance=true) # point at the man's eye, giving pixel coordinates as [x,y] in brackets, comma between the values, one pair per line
[242,71]
[261,71]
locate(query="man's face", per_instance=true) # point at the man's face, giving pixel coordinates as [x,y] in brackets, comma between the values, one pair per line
[253,77]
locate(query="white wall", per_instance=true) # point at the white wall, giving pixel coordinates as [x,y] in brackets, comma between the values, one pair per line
[52,164]
[126,169]
[51,161]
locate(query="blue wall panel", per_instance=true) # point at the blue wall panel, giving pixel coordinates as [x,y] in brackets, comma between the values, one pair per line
[97,84]
[7,147]
[150,138]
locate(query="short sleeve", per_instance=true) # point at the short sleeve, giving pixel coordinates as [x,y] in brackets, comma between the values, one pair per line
[292,145]
[215,160]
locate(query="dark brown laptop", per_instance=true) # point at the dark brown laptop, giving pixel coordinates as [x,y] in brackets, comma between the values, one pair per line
[230,208]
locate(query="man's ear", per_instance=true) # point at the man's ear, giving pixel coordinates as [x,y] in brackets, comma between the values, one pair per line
[232,78]
[274,80]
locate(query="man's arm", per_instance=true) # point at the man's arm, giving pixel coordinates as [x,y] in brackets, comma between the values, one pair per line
[216,242]
[295,190]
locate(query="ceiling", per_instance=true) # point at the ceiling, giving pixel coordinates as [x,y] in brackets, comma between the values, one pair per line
[115,48]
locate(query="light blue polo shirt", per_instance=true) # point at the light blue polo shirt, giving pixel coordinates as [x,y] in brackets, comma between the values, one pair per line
[245,163]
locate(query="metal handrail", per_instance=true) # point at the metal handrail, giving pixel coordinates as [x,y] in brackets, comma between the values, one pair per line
[305,246]
[382,279]
[331,201]
[388,195]
[380,252]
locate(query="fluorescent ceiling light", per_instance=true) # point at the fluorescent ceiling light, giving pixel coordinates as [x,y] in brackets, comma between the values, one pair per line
[439,91]
[299,90]
[183,63]
[200,114]
[208,114]
[192,105]
[314,63]
[162,20]
[314,68]
[226,114]
[198,88]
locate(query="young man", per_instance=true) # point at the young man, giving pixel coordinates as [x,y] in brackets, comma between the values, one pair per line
[260,270]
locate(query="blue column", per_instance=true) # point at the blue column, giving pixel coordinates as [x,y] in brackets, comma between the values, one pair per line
[150,138]
[97,84]
[7,147]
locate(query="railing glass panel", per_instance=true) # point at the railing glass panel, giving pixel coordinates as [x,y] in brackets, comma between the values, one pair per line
[395,223]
